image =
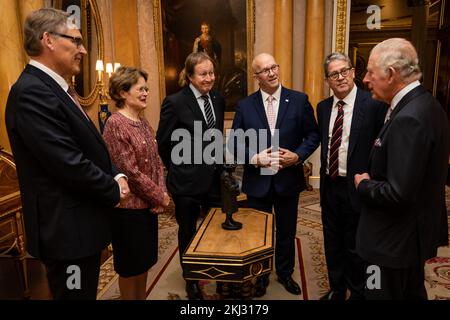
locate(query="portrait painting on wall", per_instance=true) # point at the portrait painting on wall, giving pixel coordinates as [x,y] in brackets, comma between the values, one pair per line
[217,27]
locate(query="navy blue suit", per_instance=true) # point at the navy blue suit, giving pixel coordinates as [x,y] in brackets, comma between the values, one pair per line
[298,132]
[66,181]
[338,197]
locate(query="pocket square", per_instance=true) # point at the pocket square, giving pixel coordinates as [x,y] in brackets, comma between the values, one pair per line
[377,143]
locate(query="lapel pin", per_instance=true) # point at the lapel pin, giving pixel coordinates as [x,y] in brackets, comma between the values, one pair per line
[287,100]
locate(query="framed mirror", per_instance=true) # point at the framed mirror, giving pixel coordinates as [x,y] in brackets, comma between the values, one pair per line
[222,28]
[85,82]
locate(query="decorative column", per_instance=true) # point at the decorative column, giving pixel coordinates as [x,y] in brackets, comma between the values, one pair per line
[314,47]
[12,59]
[283,39]
[149,57]
[313,78]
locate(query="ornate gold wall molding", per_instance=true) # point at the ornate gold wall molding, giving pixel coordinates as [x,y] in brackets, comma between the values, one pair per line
[341,25]
[157,20]
[250,42]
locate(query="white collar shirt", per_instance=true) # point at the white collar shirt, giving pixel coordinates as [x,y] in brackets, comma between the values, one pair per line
[275,103]
[201,102]
[346,126]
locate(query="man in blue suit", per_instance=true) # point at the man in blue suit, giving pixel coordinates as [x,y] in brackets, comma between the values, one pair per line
[273,175]
[349,122]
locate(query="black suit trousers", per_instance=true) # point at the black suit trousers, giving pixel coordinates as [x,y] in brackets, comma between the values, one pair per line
[340,221]
[398,284]
[285,208]
[187,212]
[60,274]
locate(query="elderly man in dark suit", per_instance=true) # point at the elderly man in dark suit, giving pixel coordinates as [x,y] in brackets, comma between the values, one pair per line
[287,116]
[403,220]
[349,122]
[67,181]
[193,181]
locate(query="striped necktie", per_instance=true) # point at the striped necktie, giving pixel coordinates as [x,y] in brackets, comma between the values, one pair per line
[333,162]
[208,112]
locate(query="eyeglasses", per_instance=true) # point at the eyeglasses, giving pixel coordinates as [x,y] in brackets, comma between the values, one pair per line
[266,71]
[143,89]
[335,75]
[78,41]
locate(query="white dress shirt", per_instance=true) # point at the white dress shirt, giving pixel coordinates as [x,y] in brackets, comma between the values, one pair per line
[399,96]
[275,103]
[201,102]
[346,126]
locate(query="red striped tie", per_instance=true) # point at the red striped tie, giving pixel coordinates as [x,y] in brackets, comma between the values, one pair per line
[333,168]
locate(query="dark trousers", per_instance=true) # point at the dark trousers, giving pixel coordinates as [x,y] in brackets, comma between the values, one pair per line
[340,221]
[286,226]
[187,212]
[398,284]
[63,275]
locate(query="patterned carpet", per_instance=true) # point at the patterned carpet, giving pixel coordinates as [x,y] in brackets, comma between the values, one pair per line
[165,281]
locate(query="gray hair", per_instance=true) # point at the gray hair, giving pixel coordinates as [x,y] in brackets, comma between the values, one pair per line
[333,57]
[40,21]
[400,54]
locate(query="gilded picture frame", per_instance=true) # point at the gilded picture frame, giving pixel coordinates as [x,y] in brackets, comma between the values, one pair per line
[231,23]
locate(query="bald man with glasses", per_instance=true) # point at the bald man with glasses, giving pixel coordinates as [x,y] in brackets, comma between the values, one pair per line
[287,115]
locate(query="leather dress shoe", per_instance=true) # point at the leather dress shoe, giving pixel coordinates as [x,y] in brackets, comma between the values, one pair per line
[193,290]
[333,295]
[260,286]
[290,285]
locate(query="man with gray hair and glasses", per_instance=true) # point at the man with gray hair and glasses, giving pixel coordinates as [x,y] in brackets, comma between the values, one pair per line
[403,218]
[349,122]
[68,184]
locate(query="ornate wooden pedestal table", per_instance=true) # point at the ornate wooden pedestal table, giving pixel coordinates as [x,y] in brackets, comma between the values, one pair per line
[228,256]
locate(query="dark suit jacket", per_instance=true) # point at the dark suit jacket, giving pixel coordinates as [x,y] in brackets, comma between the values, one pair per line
[367,120]
[64,169]
[403,218]
[179,111]
[298,132]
